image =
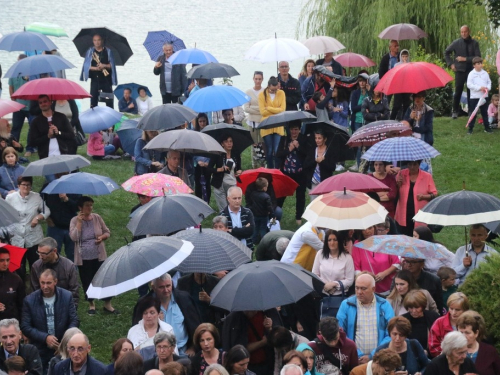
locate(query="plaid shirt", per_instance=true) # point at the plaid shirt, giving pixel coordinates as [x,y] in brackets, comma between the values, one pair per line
[366,327]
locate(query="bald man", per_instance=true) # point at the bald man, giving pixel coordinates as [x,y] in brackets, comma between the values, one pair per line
[79,360]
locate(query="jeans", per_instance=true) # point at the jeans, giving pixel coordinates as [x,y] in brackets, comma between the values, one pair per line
[484,113]
[460,80]
[272,142]
[109,150]
[18,122]
[62,237]
[169,98]
[260,228]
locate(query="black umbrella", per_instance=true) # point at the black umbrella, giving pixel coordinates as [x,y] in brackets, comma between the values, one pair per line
[8,214]
[184,140]
[56,164]
[212,70]
[166,116]
[241,136]
[284,118]
[337,137]
[111,39]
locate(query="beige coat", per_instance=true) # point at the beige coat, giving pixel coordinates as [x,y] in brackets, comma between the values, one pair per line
[99,229]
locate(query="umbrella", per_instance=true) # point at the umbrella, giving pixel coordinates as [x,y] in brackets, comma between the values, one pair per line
[184,140]
[344,210]
[46,29]
[241,136]
[81,183]
[283,185]
[99,118]
[168,214]
[337,137]
[9,106]
[26,41]
[277,49]
[16,255]
[319,45]
[377,131]
[129,134]
[156,185]
[191,56]
[8,214]
[402,31]
[212,70]
[403,246]
[166,116]
[156,39]
[134,87]
[112,40]
[400,149]
[216,98]
[284,118]
[351,181]
[480,102]
[413,77]
[38,64]
[351,60]
[261,286]
[55,164]
[214,250]
[55,88]
[136,264]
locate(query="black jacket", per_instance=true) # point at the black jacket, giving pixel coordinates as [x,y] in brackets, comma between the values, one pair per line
[178,77]
[31,357]
[12,293]
[432,284]
[376,111]
[266,249]
[39,129]
[217,161]
[94,367]
[154,363]
[245,232]
[384,65]
[292,92]
[326,167]
[283,150]
[261,204]
[354,106]
[337,68]
[468,48]
[61,212]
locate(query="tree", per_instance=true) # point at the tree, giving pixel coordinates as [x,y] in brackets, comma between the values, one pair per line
[492,7]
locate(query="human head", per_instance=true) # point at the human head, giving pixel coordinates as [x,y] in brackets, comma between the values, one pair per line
[174,368]
[78,349]
[130,363]
[365,287]
[148,135]
[201,121]
[15,365]
[414,265]
[234,196]
[120,347]
[237,359]
[329,328]
[334,241]
[168,50]
[281,339]
[47,250]
[4,259]
[48,282]
[385,361]
[258,77]
[457,303]
[478,234]
[293,360]
[404,282]
[149,306]
[173,160]
[97,41]
[11,154]
[472,322]
[228,115]
[126,93]
[477,63]
[282,244]
[272,85]
[62,349]
[401,325]
[394,47]
[164,343]
[317,97]
[415,299]
[404,55]
[261,184]
[143,199]
[424,233]
[320,138]
[215,369]
[464,32]
[141,90]
[85,202]
[226,142]
[10,335]
[284,68]
[447,275]
[163,287]
[220,223]
[453,341]
[495,98]
[307,68]
[201,335]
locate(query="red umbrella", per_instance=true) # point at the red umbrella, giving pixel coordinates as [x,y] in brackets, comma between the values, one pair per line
[350,181]
[16,255]
[413,77]
[402,31]
[351,60]
[377,131]
[9,106]
[55,88]
[283,185]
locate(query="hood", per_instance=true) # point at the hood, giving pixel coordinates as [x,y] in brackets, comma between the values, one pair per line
[303,347]
[404,50]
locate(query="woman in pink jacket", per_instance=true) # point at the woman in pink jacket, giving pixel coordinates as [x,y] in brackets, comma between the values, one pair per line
[97,146]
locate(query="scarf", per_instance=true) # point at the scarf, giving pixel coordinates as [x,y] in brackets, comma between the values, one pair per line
[143,99]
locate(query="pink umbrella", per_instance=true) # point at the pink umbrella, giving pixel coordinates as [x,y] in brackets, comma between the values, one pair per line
[350,181]
[9,106]
[402,31]
[351,60]
[156,185]
[55,88]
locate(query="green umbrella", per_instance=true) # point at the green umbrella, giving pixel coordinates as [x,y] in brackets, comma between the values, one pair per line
[46,29]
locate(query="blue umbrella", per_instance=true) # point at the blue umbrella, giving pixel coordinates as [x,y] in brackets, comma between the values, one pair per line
[26,41]
[215,98]
[132,86]
[400,149]
[129,134]
[38,64]
[191,56]
[99,118]
[156,39]
[81,183]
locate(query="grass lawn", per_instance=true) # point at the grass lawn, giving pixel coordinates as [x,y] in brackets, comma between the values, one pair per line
[473,159]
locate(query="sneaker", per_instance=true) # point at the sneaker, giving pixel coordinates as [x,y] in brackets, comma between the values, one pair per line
[469,132]
[354,168]
[488,130]
[126,155]
[454,115]
[339,168]
[107,157]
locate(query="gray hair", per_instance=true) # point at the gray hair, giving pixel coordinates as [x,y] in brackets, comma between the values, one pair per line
[234,188]
[48,241]
[220,219]
[453,340]
[169,153]
[168,44]
[62,349]
[6,323]
[216,367]
[165,336]
[282,244]
[164,277]
[291,369]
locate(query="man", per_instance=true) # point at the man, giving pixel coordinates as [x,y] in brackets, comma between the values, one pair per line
[99,66]
[10,337]
[154,372]
[228,115]
[12,289]
[79,361]
[469,258]
[425,280]
[364,317]
[305,243]
[329,61]
[273,245]
[390,59]
[127,103]
[291,369]
[172,77]
[67,277]
[311,85]
[7,139]
[290,85]
[51,131]
[173,167]
[464,50]
[47,314]
[240,220]
[23,114]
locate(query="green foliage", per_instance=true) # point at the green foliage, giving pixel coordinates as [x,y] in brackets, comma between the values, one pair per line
[492,7]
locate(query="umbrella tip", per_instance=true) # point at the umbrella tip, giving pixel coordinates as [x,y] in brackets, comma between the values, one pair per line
[463,185]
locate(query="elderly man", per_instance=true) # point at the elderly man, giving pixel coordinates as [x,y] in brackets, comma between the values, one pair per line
[463,49]
[79,361]
[10,337]
[173,169]
[291,369]
[290,85]
[273,245]
[12,289]
[172,77]
[364,317]
[305,243]
[240,220]
[389,59]
[127,103]
[329,61]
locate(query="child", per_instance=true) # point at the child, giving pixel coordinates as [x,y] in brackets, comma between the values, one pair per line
[97,147]
[447,275]
[261,208]
[339,108]
[478,82]
[493,111]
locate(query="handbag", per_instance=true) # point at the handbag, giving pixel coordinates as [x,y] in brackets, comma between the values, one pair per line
[80,138]
[330,305]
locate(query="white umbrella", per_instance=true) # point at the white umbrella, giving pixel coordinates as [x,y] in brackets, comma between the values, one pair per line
[277,49]
[323,44]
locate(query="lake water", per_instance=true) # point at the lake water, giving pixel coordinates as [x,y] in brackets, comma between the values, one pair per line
[226,28]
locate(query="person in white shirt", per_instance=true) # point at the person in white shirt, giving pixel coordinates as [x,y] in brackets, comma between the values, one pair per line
[479,83]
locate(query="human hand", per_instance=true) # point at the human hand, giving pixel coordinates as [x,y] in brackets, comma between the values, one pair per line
[131,105]
[191,85]
[158,64]
[157,164]
[220,274]
[237,173]
[52,342]
[380,276]
[461,58]
[331,287]
[364,359]
[484,89]
[2,307]
[399,179]
[306,107]
[452,66]
[34,222]
[63,197]
[332,83]
[204,297]
[79,217]
[16,144]
[467,261]
[99,239]
[420,197]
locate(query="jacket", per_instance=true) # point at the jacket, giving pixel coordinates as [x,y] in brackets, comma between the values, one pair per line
[88,62]
[477,259]
[179,80]
[123,106]
[326,167]
[488,360]
[94,367]
[468,48]
[425,126]
[245,232]
[292,92]
[217,161]
[31,357]
[261,204]
[376,111]
[432,284]
[182,174]
[269,107]
[144,158]
[397,303]
[384,64]
[39,128]
[304,245]
[345,352]
[438,331]
[61,212]
[440,366]
[99,229]
[283,150]
[416,359]
[154,363]
[8,177]
[12,293]
[476,80]
[302,348]
[336,66]
[266,249]
[95,145]
[252,107]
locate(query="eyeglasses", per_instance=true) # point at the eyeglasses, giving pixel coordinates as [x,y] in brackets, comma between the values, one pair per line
[80,349]
[284,67]
[44,254]
[161,348]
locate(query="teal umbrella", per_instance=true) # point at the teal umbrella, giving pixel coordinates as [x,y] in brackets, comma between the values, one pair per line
[46,29]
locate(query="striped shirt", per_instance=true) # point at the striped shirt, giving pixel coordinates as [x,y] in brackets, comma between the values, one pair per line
[366,327]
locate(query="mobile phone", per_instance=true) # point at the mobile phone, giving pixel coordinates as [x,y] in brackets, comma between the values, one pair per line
[229,164]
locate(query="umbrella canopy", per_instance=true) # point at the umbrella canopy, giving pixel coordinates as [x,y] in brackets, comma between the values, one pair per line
[261,286]
[156,185]
[168,214]
[191,56]
[9,106]
[137,264]
[283,185]
[112,40]
[185,141]
[377,131]
[284,118]
[55,164]
[400,149]
[156,39]
[26,41]
[134,87]
[129,134]
[38,64]
[277,49]
[99,118]
[8,214]
[403,246]
[166,116]
[351,181]
[82,183]
[412,78]
[212,70]
[319,45]
[16,255]
[55,88]
[216,98]
[241,136]
[214,251]
[352,60]
[337,137]
[402,31]
[344,210]
[46,29]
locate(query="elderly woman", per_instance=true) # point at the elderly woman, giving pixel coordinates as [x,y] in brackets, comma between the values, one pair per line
[120,347]
[236,361]
[215,369]
[144,102]
[413,358]
[384,362]
[454,358]
[62,350]
[10,171]
[147,161]
[165,348]
[206,341]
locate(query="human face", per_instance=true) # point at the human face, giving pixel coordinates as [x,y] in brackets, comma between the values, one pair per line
[457,356]
[163,289]
[150,316]
[319,139]
[309,358]
[478,237]
[419,100]
[78,350]
[257,80]
[294,132]
[219,226]
[126,94]
[298,362]
[464,32]
[379,167]
[234,200]
[495,102]
[44,104]
[174,160]
[202,122]
[87,208]
[10,338]
[97,40]
[11,159]
[455,311]
[413,265]
[379,370]
[329,56]
[450,281]
[333,243]
[142,93]
[381,230]
[272,89]
[164,350]
[416,312]
[469,334]
[415,235]
[364,289]
[4,262]
[284,67]
[368,232]
[207,342]
[46,254]
[362,84]
[126,347]
[394,48]
[241,366]
[397,339]
[309,68]
[48,285]
[25,188]
[227,144]
[413,166]
[228,117]
[143,199]
[401,286]
[168,50]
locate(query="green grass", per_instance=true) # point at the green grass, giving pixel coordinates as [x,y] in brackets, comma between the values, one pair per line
[473,159]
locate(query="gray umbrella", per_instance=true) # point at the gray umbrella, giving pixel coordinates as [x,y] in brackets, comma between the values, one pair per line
[169,214]
[166,116]
[214,250]
[185,141]
[136,264]
[212,70]
[8,214]
[55,164]
[261,286]
[284,118]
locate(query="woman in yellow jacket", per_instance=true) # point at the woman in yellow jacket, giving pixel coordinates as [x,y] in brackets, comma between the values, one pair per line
[271,102]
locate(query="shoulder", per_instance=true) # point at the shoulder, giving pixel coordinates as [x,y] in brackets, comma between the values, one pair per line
[62,364]
[63,293]
[96,364]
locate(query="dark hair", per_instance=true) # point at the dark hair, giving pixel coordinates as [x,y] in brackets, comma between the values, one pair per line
[148,302]
[261,183]
[258,72]
[201,329]
[197,124]
[131,363]
[273,81]
[117,348]
[295,354]
[320,132]
[280,337]
[424,233]
[25,179]
[342,94]
[402,324]
[227,110]
[142,88]
[340,241]
[406,276]
[15,363]
[41,96]
[445,273]
[317,96]
[329,328]
[127,89]
[3,250]
[477,60]
[82,200]
[236,354]
[224,137]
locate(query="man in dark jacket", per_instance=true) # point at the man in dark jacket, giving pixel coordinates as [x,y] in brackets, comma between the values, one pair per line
[240,220]
[425,280]
[79,360]
[172,77]
[12,289]
[328,60]
[389,59]
[273,245]
[290,85]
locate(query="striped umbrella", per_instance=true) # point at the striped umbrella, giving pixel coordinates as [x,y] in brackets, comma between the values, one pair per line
[400,149]
[46,29]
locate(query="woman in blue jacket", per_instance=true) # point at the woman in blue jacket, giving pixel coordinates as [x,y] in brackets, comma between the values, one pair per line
[9,171]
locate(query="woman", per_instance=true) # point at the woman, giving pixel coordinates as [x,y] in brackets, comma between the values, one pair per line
[310,358]
[384,362]
[120,347]
[334,265]
[457,303]
[307,70]
[375,107]
[89,232]
[421,118]
[271,102]
[202,175]
[388,199]
[144,102]
[147,161]
[320,162]
[129,363]
[62,350]
[10,171]
[165,347]
[295,357]
[413,358]
[403,283]
[471,324]
[236,361]
[432,264]
[415,188]
[215,369]
[254,117]
[206,340]
[356,101]
[454,358]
